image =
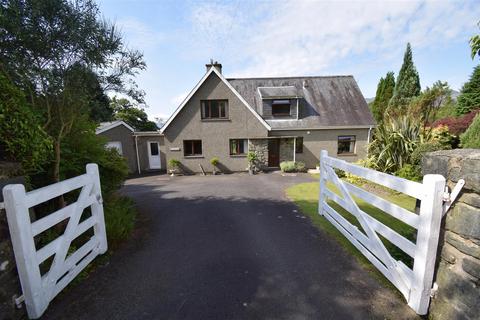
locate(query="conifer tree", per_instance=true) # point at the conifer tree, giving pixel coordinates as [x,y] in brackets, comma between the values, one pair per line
[407,86]
[382,97]
[469,98]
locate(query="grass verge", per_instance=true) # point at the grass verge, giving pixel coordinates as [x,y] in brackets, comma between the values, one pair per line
[305,196]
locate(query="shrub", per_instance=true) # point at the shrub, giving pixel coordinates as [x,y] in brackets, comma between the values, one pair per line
[393,144]
[214,161]
[291,166]
[471,137]
[442,135]
[423,148]
[458,125]
[174,163]
[251,157]
[410,172]
[120,215]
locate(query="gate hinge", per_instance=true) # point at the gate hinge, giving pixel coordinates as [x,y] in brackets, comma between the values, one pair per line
[18,301]
[434,290]
[449,197]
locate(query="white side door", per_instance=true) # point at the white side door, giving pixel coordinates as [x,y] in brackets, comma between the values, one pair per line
[154,155]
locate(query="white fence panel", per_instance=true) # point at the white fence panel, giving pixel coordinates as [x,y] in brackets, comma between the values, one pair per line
[415,284]
[39,290]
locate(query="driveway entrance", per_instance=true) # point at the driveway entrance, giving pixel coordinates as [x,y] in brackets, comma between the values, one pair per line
[226,247]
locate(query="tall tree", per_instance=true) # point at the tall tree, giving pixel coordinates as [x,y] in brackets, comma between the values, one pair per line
[132,114]
[469,98]
[51,49]
[426,105]
[407,85]
[382,97]
[475,44]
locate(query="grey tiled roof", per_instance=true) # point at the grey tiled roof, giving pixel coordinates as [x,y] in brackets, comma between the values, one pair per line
[325,101]
[278,92]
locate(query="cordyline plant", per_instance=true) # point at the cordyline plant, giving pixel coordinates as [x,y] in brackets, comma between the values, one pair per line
[395,140]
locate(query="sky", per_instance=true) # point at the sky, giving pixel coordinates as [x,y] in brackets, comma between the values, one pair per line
[365,39]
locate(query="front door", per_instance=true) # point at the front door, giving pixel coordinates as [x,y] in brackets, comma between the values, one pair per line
[273,153]
[154,155]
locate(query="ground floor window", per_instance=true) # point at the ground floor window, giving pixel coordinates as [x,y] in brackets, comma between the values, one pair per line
[238,146]
[346,145]
[299,145]
[192,148]
[117,145]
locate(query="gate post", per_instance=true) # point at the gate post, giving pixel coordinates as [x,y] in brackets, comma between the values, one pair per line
[97,208]
[321,195]
[427,242]
[24,249]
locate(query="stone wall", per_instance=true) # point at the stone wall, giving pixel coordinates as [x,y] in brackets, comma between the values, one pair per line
[458,269]
[260,147]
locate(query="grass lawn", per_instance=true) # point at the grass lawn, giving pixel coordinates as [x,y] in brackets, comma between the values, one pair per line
[305,196]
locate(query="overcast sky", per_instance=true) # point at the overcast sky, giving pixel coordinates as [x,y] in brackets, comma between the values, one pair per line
[292,38]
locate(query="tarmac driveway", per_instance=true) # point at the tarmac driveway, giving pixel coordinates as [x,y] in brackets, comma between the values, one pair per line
[226,247]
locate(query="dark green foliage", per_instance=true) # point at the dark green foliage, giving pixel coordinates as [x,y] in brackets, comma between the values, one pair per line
[83,146]
[21,134]
[407,86]
[471,137]
[382,97]
[64,55]
[132,114]
[120,216]
[469,98]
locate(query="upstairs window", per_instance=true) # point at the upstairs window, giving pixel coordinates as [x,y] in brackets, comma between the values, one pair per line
[238,147]
[214,109]
[192,148]
[346,145]
[281,108]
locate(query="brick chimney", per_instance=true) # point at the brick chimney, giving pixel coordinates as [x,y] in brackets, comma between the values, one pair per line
[215,64]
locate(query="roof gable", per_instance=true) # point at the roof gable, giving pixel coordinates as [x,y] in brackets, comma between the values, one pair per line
[105,126]
[195,89]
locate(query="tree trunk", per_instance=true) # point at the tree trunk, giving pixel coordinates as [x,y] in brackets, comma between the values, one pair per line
[56,171]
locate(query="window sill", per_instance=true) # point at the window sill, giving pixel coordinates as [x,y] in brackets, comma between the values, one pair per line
[238,155]
[194,157]
[215,120]
[348,154]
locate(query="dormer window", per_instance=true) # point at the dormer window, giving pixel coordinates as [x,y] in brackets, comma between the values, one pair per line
[281,108]
[214,109]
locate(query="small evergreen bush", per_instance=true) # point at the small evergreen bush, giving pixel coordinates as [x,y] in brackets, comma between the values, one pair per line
[291,166]
[410,172]
[174,163]
[471,137]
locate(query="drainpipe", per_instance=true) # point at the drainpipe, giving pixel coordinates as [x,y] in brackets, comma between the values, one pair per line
[369,131]
[294,147]
[136,150]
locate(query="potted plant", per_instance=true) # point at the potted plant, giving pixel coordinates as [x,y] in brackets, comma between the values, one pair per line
[214,161]
[252,158]
[174,166]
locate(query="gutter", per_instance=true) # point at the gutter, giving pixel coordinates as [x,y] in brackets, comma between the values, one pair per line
[369,133]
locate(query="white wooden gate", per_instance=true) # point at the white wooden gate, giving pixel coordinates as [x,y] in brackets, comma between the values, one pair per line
[415,284]
[39,290]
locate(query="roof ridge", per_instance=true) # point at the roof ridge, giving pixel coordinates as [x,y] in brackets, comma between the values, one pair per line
[292,77]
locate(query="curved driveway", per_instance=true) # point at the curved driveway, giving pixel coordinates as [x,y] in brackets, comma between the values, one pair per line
[226,247]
